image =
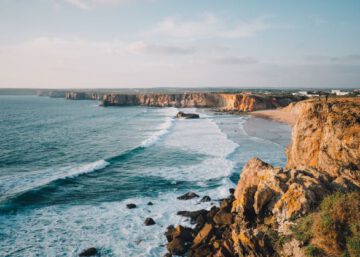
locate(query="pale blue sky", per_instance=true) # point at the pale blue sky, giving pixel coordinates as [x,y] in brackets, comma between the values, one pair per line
[151,43]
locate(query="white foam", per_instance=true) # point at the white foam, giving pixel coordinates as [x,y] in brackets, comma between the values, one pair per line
[110,227]
[44,177]
[163,129]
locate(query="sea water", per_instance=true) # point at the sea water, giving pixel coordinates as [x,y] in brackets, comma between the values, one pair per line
[68,169]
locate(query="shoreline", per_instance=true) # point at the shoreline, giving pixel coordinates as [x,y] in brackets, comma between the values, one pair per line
[280,115]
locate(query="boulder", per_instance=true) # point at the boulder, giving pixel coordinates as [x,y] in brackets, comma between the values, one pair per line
[187,115]
[206,198]
[131,206]
[188,196]
[204,235]
[92,251]
[177,247]
[223,218]
[193,215]
[149,222]
[150,203]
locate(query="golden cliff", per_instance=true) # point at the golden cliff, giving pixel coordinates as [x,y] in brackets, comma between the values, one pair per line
[221,101]
[311,207]
[273,204]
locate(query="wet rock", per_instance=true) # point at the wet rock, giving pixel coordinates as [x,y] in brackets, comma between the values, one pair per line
[223,218]
[149,222]
[206,198]
[226,205]
[150,203]
[193,215]
[184,233]
[204,235]
[131,206]
[232,191]
[188,196]
[177,247]
[187,115]
[167,255]
[92,251]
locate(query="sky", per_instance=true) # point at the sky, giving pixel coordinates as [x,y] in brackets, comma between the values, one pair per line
[179,43]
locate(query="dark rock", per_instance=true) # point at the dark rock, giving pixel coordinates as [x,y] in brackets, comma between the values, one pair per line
[88,252]
[188,196]
[206,198]
[167,255]
[131,206]
[187,115]
[184,233]
[177,247]
[149,222]
[232,191]
[150,203]
[226,205]
[223,218]
[193,215]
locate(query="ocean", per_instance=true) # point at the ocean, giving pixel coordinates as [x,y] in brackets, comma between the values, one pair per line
[68,169]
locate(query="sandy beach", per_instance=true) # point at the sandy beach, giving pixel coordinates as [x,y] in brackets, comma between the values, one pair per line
[282,115]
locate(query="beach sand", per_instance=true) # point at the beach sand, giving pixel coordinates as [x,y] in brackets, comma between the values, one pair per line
[282,115]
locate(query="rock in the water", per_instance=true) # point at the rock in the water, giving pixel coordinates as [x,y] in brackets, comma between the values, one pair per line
[150,203]
[232,191]
[88,252]
[206,198]
[149,222]
[131,206]
[187,115]
[177,247]
[188,196]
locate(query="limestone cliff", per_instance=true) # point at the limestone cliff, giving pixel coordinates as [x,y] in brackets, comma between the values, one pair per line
[221,101]
[326,137]
[323,158]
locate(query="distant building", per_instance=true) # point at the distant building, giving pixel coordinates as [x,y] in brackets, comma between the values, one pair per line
[306,93]
[339,92]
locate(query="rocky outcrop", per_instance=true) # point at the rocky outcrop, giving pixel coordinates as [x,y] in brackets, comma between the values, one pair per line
[326,137]
[79,95]
[187,115]
[323,158]
[220,101]
[270,202]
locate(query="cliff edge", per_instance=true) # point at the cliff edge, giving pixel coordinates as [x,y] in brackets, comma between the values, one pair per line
[310,207]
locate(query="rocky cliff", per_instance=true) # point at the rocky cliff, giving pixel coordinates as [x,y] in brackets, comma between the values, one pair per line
[221,101]
[323,158]
[311,207]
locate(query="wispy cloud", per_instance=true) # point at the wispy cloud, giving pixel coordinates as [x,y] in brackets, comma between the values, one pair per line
[140,47]
[246,60]
[91,4]
[209,26]
[345,59]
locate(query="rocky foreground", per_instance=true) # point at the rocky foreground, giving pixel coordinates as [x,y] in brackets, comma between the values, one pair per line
[311,207]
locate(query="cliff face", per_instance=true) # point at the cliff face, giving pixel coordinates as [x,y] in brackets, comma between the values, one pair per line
[326,137]
[73,95]
[222,101]
[323,158]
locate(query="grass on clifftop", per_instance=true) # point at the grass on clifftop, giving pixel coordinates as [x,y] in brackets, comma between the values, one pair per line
[333,230]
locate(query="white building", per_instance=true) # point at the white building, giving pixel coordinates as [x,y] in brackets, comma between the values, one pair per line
[339,92]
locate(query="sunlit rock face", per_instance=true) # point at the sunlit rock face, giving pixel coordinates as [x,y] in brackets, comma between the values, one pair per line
[221,101]
[323,158]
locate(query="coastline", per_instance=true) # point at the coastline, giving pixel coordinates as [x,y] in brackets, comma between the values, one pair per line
[280,115]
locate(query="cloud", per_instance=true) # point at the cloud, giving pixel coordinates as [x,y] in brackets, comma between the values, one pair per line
[237,60]
[345,59]
[91,4]
[140,47]
[209,26]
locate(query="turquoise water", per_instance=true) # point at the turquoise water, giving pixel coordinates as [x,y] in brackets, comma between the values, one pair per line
[68,168]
